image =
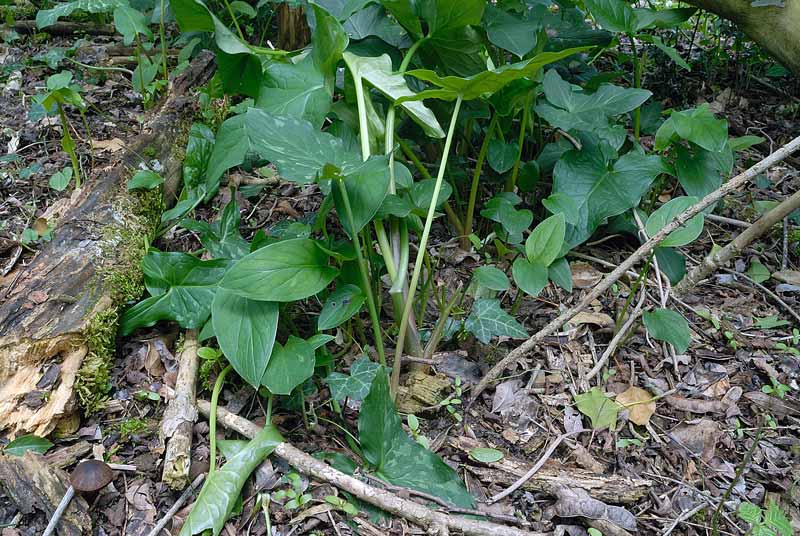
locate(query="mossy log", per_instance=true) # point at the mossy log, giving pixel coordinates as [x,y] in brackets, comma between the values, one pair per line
[58,315]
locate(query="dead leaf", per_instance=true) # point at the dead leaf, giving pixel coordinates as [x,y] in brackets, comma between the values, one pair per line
[38,296]
[699,438]
[113,145]
[776,406]
[791,277]
[576,502]
[584,275]
[639,403]
[696,405]
[40,225]
[598,319]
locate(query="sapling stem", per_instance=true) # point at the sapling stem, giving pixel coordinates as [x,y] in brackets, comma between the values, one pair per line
[512,180]
[235,22]
[212,420]
[68,144]
[362,268]
[162,36]
[637,83]
[426,231]
[476,176]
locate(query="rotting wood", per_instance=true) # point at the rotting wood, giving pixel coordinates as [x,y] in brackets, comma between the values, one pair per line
[61,310]
[736,182]
[410,510]
[553,475]
[34,485]
[180,416]
[65,28]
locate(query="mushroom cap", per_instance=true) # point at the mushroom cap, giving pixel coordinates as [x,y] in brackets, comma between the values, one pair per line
[90,476]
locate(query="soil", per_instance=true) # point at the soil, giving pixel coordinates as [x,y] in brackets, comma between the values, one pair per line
[697,446]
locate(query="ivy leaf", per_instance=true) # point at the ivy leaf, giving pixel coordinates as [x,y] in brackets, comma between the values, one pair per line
[681,236]
[399,459]
[284,271]
[295,146]
[356,385]
[488,320]
[290,365]
[668,326]
[221,489]
[530,277]
[600,409]
[25,443]
[602,191]
[341,305]
[491,277]
[378,72]
[613,15]
[511,32]
[546,240]
[245,330]
[130,23]
[182,288]
[486,82]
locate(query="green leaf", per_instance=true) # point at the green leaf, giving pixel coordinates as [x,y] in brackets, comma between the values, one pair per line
[697,170]
[421,195]
[457,52]
[667,212]
[299,150]
[329,40]
[662,18]
[284,271]
[144,179]
[372,21]
[771,322]
[600,409]
[697,125]
[367,186]
[198,154]
[559,203]
[501,210]
[231,447]
[758,272]
[666,49]
[511,32]
[546,240]
[484,83]
[290,365]
[399,459]
[613,15]
[182,288]
[486,455]
[60,179]
[356,385]
[560,273]
[530,277]
[749,512]
[443,15]
[491,277]
[221,238]
[245,331]
[230,149]
[668,326]
[130,23]
[296,90]
[340,306]
[58,81]
[501,156]
[600,190]
[25,443]
[378,72]
[48,17]
[744,142]
[222,488]
[671,263]
[488,320]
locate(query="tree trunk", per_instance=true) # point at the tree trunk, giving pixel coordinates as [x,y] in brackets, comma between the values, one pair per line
[293,31]
[58,315]
[776,29]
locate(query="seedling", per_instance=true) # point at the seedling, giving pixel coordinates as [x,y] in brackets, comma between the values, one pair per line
[293,497]
[777,388]
[416,433]
[453,402]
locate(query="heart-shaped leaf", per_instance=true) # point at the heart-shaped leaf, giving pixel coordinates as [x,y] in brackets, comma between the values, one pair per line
[290,365]
[666,213]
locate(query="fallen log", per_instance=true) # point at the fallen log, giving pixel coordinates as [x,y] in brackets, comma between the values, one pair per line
[58,315]
[65,28]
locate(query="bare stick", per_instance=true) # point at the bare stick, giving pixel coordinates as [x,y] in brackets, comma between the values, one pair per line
[712,262]
[62,506]
[177,506]
[410,510]
[612,346]
[180,416]
[736,182]
[527,476]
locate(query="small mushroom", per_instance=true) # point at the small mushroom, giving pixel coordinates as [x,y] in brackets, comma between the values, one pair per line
[88,477]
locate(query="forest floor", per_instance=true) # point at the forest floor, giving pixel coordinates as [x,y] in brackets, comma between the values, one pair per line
[700,432]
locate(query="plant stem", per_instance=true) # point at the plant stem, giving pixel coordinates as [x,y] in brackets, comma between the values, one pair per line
[162,36]
[637,83]
[512,180]
[365,280]
[66,140]
[398,354]
[235,22]
[212,420]
[476,175]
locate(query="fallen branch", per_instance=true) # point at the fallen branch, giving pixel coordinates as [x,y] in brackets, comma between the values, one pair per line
[177,506]
[319,470]
[64,28]
[180,416]
[733,184]
[714,261]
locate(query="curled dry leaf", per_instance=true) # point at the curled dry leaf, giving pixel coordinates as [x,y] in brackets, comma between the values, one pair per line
[584,275]
[696,405]
[576,502]
[639,403]
[598,319]
[699,438]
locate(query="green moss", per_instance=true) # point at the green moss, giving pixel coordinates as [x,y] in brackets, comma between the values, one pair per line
[150,151]
[132,426]
[92,383]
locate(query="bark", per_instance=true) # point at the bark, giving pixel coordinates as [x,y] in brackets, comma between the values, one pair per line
[61,307]
[293,30]
[776,29]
